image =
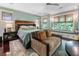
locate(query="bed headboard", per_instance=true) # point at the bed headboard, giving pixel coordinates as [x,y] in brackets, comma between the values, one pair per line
[26,23]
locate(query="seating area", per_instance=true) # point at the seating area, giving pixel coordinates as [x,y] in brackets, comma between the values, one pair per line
[44,42]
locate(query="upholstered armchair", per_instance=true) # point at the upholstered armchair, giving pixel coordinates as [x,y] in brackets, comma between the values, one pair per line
[44,42]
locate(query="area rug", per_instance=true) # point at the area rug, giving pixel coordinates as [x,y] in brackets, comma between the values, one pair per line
[61,50]
[31,52]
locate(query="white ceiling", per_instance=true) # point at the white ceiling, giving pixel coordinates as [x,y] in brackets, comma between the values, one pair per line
[40,9]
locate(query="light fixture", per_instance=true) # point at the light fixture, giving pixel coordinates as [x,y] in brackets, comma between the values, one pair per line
[53,4]
[9,26]
[60,7]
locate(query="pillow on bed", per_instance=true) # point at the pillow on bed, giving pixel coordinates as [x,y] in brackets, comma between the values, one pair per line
[27,27]
[24,27]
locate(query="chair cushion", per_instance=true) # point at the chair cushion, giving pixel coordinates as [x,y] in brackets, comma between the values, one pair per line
[48,33]
[53,42]
[35,35]
[41,35]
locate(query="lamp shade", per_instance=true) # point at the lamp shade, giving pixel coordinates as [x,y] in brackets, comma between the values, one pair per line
[9,26]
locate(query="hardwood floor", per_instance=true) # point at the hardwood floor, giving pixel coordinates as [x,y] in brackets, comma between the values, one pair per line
[4,48]
[72,48]
[1,49]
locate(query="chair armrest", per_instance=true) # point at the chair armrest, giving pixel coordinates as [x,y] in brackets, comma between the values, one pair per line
[57,35]
[40,47]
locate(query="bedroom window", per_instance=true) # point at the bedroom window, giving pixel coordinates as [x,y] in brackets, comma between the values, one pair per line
[69,22]
[54,23]
[45,24]
[63,23]
[6,16]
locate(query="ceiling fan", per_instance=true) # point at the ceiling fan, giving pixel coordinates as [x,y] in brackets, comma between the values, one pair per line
[54,4]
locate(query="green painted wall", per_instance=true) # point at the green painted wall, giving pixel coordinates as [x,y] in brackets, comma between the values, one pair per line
[24,16]
[19,15]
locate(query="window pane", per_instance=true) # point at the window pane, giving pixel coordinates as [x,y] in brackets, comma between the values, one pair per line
[69,26]
[62,18]
[52,26]
[63,26]
[55,19]
[69,18]
[45,23]
[6,16]
[59,23]
[55,26]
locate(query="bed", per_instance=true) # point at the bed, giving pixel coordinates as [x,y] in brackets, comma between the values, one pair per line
[24,28]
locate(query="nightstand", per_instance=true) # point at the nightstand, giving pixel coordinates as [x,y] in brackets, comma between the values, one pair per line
[8,36]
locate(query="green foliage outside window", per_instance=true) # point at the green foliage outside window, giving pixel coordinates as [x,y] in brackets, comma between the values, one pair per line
[63,25]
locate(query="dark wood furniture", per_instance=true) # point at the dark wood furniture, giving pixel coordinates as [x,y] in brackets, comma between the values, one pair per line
[0,39]
[1,49]
[9,36]
[72,48]
[19,23]
[6,47]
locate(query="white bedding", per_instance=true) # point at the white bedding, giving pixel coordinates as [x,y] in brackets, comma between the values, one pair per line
[28,27]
